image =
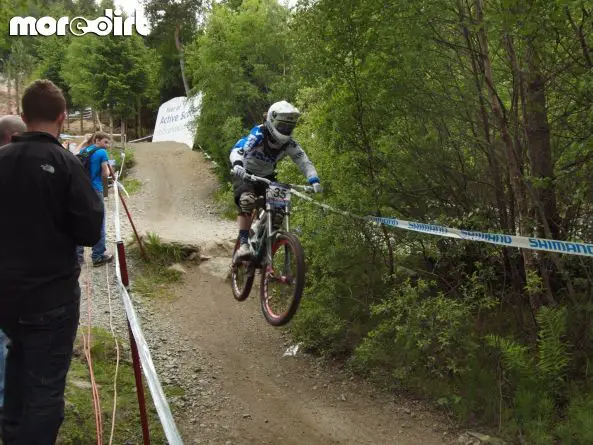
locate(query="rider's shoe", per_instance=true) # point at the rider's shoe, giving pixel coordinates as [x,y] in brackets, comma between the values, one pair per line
[243,252]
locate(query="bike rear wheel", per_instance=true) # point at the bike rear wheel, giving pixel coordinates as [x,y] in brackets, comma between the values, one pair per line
[289,272]
[242,276]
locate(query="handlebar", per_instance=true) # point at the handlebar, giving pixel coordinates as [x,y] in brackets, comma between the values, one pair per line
[253,178]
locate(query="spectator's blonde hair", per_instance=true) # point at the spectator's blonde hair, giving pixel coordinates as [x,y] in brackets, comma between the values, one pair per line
[100,135]
[88,140]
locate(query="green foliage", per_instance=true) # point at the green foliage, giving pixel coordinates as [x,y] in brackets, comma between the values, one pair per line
[156,275]
[577,428]
[225,198]
[20,61]
[400,118]
[52,51]
[161,253]
[114,77]
[467,114]
[539,381]
[129,159]
[341,288]
[240,69]
[132,185]
[154,283]
[79,423]
[8,9]
[170,19]
[431,334]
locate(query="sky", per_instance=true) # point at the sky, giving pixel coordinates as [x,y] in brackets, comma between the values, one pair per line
[130,5]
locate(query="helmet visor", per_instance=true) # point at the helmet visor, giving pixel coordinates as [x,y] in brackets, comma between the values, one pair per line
[285,127]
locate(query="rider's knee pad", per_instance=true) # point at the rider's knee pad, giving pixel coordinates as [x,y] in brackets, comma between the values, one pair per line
[247,202]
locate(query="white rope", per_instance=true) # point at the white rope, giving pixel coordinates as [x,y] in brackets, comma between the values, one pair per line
[154,385]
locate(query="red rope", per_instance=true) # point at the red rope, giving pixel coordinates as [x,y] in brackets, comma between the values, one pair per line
[87,352]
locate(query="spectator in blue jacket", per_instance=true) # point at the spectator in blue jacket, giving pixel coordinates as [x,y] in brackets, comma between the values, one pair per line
[99,172]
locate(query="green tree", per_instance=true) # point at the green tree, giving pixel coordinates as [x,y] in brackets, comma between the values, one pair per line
[241,64]
[469,114]
[119,71]
[173,23]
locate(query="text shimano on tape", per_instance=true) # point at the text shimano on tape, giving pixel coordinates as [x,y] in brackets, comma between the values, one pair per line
[523,242]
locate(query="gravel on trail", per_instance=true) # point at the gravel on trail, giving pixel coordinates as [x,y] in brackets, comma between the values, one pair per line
[238,387]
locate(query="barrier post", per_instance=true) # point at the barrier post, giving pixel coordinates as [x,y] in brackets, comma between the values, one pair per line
[123,267]
[125,280]
[123,202]
[141,359]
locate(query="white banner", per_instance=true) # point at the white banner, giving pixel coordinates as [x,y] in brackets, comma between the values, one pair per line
[175,120]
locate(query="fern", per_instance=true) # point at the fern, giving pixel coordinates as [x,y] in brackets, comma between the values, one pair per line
[539,376]
[515,357]
[553,355]
[577,429]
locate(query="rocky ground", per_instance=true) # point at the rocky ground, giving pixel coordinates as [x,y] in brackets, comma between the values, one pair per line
[239,387]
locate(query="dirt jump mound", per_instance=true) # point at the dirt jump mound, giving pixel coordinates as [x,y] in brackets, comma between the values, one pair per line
[175,199]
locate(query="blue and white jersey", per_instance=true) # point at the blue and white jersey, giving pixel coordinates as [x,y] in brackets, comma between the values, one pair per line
[250,152]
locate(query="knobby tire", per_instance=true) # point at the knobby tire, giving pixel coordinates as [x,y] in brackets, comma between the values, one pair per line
[292,242]
[241,294]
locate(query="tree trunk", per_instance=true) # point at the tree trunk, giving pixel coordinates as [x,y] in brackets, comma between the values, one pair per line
[505,215]
[537,134]
[179,46]
[97,120]
[18,95]
[581,36]
[111,127]
[514,161]
[493,162]
[139,135]
[9,86]
[368,150]
[519,104]
[122,136]
[537,131]
[81,120]
[134,132]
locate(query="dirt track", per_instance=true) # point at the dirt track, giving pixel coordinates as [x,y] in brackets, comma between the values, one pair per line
[254,394]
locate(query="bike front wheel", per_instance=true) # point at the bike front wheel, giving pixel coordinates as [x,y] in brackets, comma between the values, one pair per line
[242,276]
[283,281]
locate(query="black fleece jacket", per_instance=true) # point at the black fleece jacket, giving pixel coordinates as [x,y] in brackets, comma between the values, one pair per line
[47,207]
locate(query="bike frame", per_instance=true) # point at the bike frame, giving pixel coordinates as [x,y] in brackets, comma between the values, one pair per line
[270,232]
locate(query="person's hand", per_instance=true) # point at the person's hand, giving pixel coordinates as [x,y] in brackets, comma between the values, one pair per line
[317,187]
[239,171]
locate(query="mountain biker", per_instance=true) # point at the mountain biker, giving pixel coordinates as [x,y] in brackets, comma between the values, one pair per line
[257,154]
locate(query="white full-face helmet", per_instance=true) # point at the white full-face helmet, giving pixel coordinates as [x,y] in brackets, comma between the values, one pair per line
[281,119]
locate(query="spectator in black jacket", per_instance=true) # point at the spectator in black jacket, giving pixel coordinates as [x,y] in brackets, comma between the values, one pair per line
[48,208]
[9,126]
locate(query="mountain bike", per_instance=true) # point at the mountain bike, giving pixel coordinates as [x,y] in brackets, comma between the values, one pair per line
[270,235]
